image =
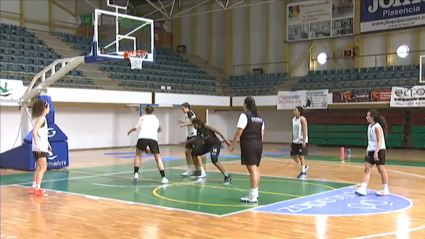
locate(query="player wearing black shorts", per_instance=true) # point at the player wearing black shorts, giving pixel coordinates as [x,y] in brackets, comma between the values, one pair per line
[251,134]
[148,137]
[211,144]
[375,152]
[299,144]
[193,163]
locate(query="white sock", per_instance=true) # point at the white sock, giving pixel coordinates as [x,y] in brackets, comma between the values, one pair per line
[385,186]
[304,168]
[34,184]
[38,186]
[363,186]
[253,193]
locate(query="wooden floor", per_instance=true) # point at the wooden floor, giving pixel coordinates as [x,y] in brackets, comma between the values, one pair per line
[81,211]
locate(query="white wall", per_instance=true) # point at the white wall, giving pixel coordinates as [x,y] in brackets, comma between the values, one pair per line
[38,11]
[95,127]
[299,59]
[9,9]
[278,124]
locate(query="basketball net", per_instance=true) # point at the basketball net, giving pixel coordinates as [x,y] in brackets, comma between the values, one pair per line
[136,58]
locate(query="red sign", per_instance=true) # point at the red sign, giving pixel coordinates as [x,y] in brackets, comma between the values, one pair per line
[380,95]
[358,96]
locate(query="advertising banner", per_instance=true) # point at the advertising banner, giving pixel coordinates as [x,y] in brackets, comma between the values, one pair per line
[359,96]
[318,19]
[378,15]
[308,99]
[316,99]
[408,97]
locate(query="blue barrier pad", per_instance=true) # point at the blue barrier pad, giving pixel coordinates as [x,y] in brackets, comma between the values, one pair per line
[121,153]
[229,156]
[166,159]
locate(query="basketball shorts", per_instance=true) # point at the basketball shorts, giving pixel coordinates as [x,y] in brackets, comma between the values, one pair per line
[142,144]
[381,156]
[214,151]
[298,149]
[40,155]
[194,144]
[251,152]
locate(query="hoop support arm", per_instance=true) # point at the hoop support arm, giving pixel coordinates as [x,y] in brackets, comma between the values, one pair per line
[67,65]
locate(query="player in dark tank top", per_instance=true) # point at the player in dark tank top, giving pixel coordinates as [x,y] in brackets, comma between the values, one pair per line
[250,132]
[211,144]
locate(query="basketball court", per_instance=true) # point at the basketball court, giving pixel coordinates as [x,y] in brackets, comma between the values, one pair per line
[97,196]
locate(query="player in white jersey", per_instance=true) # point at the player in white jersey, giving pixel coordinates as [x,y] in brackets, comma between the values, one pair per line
[148,137]
[375,152]
[194,163]
[40,144]
[299,144]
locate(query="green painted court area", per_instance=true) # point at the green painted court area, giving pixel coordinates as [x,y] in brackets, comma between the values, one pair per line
[207,196]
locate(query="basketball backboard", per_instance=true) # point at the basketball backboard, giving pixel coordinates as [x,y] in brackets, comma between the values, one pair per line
[115,33]
[422,69]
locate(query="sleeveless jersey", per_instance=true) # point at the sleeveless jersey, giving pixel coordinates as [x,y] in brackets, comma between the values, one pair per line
[372,140]
[253,128]
[191,131]
[149,129]
[209,137]
[43,136]
[297,131]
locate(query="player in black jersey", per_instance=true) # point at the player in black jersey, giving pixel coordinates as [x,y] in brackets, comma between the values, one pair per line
[211,144]
[250,132]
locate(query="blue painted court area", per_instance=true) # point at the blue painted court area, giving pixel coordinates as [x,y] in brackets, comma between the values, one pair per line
[339,202]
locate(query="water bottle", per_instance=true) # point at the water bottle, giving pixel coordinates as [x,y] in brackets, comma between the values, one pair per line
[349,152]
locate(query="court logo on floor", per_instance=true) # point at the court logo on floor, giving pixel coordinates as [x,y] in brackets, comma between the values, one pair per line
[340,202]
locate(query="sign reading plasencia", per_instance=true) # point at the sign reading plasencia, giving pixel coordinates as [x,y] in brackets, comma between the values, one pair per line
[387,15]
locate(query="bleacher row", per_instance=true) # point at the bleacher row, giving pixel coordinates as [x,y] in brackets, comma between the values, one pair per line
[23,55]
[363,78]
[170,69]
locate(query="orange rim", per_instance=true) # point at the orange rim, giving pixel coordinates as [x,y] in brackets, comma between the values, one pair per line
[128,54]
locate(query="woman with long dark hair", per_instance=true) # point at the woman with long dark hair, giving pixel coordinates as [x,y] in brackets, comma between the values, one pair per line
[375,152]
[250,131]
[40,144]
[211,144]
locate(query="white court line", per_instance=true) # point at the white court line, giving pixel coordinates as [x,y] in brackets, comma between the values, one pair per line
[292,199]
[106,174]
[286,157]
[295,179]
[123,201]
[388,170]
[390,233]
[357,166]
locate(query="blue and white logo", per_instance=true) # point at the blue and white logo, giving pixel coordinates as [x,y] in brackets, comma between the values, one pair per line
[51,132]
[386,15]
[340,202]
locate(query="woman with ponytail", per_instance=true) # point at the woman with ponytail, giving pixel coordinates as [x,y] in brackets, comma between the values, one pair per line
[250,132]
[375,152]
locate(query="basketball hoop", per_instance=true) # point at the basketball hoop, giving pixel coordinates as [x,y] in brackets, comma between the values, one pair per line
[136,58]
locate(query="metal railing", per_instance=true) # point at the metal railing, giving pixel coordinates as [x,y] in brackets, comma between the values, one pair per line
[371,60]
[268,67]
